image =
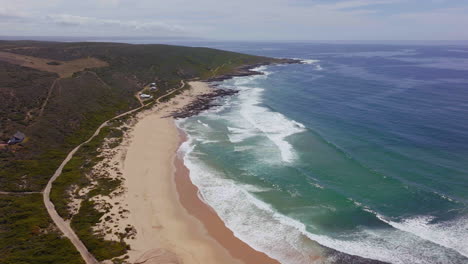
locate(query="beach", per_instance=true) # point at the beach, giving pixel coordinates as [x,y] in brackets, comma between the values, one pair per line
[172,224]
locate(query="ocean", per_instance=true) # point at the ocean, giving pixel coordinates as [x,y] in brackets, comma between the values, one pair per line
[363,149]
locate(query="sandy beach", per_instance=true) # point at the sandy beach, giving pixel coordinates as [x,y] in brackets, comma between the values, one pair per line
[172,224]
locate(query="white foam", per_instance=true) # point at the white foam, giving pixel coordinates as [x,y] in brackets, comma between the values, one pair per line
[186,146]
[242,213]
[203,124]
[262,69]
[273,125]
[445,197]
[248,118]
[309,61]
[238,135]
[297,124]
[451,234]
[206,141]
[314,183]
[318,67]
[318,186]
[282,237]
[448,234]
[240,81]
[383,245]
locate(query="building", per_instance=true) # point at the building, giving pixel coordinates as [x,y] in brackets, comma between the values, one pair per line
[145,96]
[18,137]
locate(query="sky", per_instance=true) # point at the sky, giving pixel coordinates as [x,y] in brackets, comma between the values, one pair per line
[239,19]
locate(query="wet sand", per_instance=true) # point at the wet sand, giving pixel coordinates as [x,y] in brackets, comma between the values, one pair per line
[188,194]
[173,225]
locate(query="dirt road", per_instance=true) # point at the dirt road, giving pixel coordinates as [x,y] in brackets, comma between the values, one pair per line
[63,225]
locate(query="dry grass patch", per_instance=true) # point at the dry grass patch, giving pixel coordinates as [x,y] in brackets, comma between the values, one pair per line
[62,68]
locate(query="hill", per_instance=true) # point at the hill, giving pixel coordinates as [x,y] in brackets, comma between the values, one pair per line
[57,94]
[59,107]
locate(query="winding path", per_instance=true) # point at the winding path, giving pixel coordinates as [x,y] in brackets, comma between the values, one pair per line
[49,93]
[63,225]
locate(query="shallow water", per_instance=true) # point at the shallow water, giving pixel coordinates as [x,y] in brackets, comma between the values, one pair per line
[363,149]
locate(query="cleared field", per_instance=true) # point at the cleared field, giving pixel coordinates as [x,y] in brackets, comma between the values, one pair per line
[63,68]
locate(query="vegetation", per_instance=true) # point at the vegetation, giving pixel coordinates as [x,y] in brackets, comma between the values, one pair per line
[78,172]
[27,235]
[77,105]
[57,114]
[75,172]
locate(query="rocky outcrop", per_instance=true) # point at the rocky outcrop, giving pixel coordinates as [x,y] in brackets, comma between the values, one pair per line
[247,70]
[202,103]
[205,102]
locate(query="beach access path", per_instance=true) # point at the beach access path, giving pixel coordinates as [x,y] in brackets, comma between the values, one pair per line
[173,224]
[63,225]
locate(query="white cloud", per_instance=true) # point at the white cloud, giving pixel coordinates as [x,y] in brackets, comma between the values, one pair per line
[241,19]
[72,20]
[11,13]
[355,4]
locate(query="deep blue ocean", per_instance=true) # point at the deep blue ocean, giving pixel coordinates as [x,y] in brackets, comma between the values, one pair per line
[362,149]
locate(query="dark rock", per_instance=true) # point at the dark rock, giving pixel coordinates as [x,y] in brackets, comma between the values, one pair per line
[202,103]
[205,102]
[247,70]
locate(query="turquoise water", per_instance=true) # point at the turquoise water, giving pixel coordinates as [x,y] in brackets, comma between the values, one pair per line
[363,149]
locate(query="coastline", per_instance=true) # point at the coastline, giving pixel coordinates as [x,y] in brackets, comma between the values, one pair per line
[216,228]
[172,224]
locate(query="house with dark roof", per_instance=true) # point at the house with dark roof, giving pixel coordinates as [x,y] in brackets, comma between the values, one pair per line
[18,137]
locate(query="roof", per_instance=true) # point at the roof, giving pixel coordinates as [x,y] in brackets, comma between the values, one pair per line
[19,135]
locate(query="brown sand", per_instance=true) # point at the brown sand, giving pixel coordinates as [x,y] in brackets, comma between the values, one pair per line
[172,226]
[188,194]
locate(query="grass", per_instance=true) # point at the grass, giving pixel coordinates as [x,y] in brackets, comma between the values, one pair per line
[27,234]
[83,224]
[77,173]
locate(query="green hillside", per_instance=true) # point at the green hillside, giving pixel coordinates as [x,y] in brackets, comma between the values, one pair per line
[78,104]
[57,113]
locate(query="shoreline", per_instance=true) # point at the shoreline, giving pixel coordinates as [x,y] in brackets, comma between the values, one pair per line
[216,228]
[249,70]
[172,224]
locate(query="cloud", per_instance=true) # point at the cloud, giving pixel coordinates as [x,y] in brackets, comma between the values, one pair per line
[241,19]
[151,26]
[8,14]
[448,22]
[343,5]
[439,16]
